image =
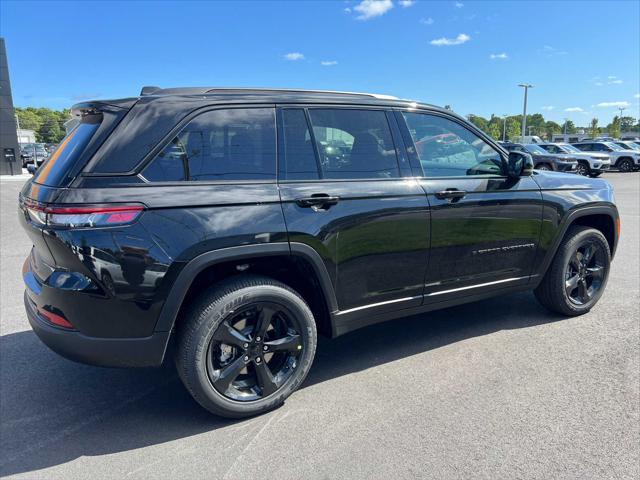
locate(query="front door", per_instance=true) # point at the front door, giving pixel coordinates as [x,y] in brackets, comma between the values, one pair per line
[485,227]
[346,192]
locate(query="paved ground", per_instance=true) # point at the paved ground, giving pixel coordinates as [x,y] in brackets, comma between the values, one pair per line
[497,389]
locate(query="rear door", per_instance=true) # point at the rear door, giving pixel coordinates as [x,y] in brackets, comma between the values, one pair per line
[346,193]
[485,227]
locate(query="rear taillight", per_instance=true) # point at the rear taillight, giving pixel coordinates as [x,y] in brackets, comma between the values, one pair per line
[83,216]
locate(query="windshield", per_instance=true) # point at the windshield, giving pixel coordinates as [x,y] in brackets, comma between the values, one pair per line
[615,146]
[570,148]
[535,149]
[624,146]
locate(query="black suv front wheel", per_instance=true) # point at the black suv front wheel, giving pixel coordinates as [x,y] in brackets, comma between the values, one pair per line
[245,346]
[578,274]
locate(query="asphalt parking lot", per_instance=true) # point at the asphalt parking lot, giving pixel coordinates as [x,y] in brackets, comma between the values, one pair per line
[495,389]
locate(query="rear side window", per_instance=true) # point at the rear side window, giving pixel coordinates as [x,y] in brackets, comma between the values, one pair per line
[229,144]
[354,144]
[56,169]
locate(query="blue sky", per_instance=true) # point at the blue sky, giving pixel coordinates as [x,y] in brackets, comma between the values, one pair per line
[582,57]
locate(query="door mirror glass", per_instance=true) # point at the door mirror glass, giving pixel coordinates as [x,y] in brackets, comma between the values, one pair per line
[520,164]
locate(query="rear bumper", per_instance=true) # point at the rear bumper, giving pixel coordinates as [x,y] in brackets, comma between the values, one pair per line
[104,352]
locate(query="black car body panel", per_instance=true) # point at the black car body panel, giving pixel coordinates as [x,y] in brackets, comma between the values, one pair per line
[384,248]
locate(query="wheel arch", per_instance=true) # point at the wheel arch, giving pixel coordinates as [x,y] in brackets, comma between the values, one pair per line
[604,218]
[199,271]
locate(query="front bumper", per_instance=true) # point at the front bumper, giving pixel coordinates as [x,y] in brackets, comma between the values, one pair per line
[567,167]
[104,352]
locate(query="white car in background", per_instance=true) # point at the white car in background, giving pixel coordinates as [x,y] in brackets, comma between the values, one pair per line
[623,160]
[589,164]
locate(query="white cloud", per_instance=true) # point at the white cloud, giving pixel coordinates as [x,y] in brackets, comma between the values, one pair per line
[328,63]
[550,51]
[548,108]
[598,84]
[347,10]
[612,104]
[573,109]
[427,21]
[612,77]
[293,56]
[615,82]
[637,95]
[499,56]
[406,3]
[445,42]
[372,8]
[459,4]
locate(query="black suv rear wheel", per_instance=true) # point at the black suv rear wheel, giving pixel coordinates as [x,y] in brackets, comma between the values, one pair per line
[578,274]
[245,346]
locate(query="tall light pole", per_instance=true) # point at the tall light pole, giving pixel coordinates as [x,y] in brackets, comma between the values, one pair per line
[620,118]
[526,87]
[565,125]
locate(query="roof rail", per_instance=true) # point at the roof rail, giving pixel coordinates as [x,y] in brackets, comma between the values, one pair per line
[302,90]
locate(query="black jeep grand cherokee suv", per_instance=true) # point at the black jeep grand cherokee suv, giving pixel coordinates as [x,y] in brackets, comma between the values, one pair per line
[238,224]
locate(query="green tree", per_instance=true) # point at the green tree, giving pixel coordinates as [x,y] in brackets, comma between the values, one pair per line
[28,118]
[47,124]
[495,131]
[613,129]
[479,122]
[513,127]
[50,131]
[627,124]
[550,128]
[594,131]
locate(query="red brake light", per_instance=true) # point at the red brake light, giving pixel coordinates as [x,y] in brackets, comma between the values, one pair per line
[55,319]
[83,216]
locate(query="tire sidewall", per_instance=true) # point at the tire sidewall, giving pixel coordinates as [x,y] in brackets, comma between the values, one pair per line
[570,247]
[204,390]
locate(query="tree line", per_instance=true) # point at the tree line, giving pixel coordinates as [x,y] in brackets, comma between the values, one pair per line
[49,125]
[511,126]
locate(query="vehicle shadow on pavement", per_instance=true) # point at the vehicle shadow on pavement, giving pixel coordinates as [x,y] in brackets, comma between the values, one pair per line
[54,411]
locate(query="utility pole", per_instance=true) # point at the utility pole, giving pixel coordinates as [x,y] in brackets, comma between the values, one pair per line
[620,118]
[565,125]
[529,130]
[526,87]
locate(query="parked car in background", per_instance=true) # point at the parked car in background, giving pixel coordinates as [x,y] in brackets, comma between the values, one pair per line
[601,139]
[589,164]
[527,139]
[623,160]
[34,153]
[544,160]
[627,145]
[226,224]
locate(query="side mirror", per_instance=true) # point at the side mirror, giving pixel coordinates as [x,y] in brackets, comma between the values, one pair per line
[520,164]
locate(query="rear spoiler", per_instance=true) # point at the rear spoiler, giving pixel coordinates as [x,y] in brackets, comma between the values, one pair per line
[95,106]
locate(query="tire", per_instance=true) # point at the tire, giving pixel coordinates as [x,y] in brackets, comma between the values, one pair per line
[625,165]
[583,169]
[552,292]
[543,166]
[211,317]
[595,174]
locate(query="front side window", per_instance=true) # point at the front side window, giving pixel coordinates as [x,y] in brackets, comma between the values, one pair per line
[354,144]
[229,144]
[447,149]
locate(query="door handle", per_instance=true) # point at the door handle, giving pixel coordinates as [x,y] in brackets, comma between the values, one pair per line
[451,194]
[317,200]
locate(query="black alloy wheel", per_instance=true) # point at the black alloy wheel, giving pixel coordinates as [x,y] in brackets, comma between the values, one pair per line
[244,345]
[254,351]
[585,273]
[582,169]
[577,276]
[625,165]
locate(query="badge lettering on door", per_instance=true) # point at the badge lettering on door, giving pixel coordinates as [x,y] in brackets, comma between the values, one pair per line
[504,249]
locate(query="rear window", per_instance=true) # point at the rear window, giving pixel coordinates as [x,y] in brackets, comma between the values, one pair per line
[56,169]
